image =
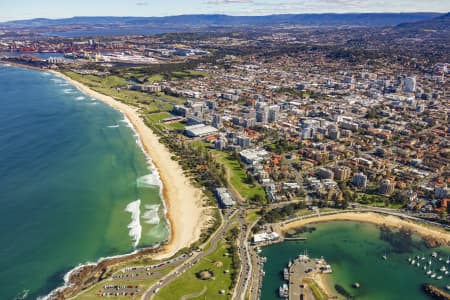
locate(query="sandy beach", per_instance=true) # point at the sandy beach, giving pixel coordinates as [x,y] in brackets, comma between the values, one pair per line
[183,201]
[375,218]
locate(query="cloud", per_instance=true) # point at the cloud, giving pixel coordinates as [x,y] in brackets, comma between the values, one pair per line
[219,2]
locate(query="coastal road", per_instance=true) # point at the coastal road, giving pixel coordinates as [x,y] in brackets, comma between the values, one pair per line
[192,261]
[244,254]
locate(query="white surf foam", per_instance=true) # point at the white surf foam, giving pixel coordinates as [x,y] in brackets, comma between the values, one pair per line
[151,214]
[80,98]
[113,126]
[57,80]
[135,225]
[22,295]
[127,122]
[68,91]
[148,181]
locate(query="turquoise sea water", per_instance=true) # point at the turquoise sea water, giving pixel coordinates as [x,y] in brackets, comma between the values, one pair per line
[72,177]
[354,251]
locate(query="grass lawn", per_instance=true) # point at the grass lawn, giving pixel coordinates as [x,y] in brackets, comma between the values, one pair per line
[317,291]
[155,78]
[238,176]
[188,283]
[171,99]
[252,216]
[156,118]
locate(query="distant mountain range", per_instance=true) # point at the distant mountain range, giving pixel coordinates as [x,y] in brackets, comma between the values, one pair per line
[440,23]
[355,19]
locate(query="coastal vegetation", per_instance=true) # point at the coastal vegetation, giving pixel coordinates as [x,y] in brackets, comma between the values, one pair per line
[221,263]
[237,177]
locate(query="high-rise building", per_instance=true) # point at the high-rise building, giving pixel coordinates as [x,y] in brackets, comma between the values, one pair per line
[217,121]
[262,115]
[359,180]
[410,84]
[342,172]
[325,173]
[387,187]
[274,113]
[243,141]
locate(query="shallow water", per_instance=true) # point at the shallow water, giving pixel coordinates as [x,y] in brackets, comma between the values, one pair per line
[354,251]
[68,171]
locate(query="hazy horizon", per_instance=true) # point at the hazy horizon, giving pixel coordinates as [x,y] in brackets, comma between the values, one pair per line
[27,9]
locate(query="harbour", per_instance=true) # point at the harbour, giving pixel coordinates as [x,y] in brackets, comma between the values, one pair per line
[363,265]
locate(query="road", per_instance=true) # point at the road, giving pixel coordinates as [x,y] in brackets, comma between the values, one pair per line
[244,254]
[193,260]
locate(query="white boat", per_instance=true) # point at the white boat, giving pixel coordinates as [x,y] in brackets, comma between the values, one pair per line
[286,274]
[425,267]
[429,262]
[448,287]
[283,291]
[429,272]
[413,261]
[446,272]
[384,256]
[418,264]
[433,275]
[434,254]
[439,277]
[443,269]
[409,259]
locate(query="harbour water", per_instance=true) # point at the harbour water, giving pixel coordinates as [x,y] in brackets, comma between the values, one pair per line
[354,251]
[75,183]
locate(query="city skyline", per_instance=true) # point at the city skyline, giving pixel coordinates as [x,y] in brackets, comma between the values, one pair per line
[26,9]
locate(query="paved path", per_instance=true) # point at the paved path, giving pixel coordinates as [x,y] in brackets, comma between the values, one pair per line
[192,261]
[195,295]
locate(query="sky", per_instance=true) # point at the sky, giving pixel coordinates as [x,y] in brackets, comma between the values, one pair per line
[28,9]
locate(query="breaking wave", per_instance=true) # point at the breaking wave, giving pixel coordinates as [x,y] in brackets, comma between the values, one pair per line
[151,214]
[135,227]
[148,181]
[22,295]
[80,98]
[113,126]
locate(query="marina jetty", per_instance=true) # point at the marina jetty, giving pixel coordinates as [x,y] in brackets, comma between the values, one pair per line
[303,275]
[435,292]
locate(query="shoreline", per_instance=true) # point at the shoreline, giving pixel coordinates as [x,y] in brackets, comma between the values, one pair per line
[374,218]
[185,218]
[366,217]
[182,201]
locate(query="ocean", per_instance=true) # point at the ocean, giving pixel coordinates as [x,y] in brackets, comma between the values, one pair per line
[354,250]
[75,184]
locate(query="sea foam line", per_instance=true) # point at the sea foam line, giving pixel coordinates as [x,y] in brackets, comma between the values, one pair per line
[135,225]
[151,215]
[153,169]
